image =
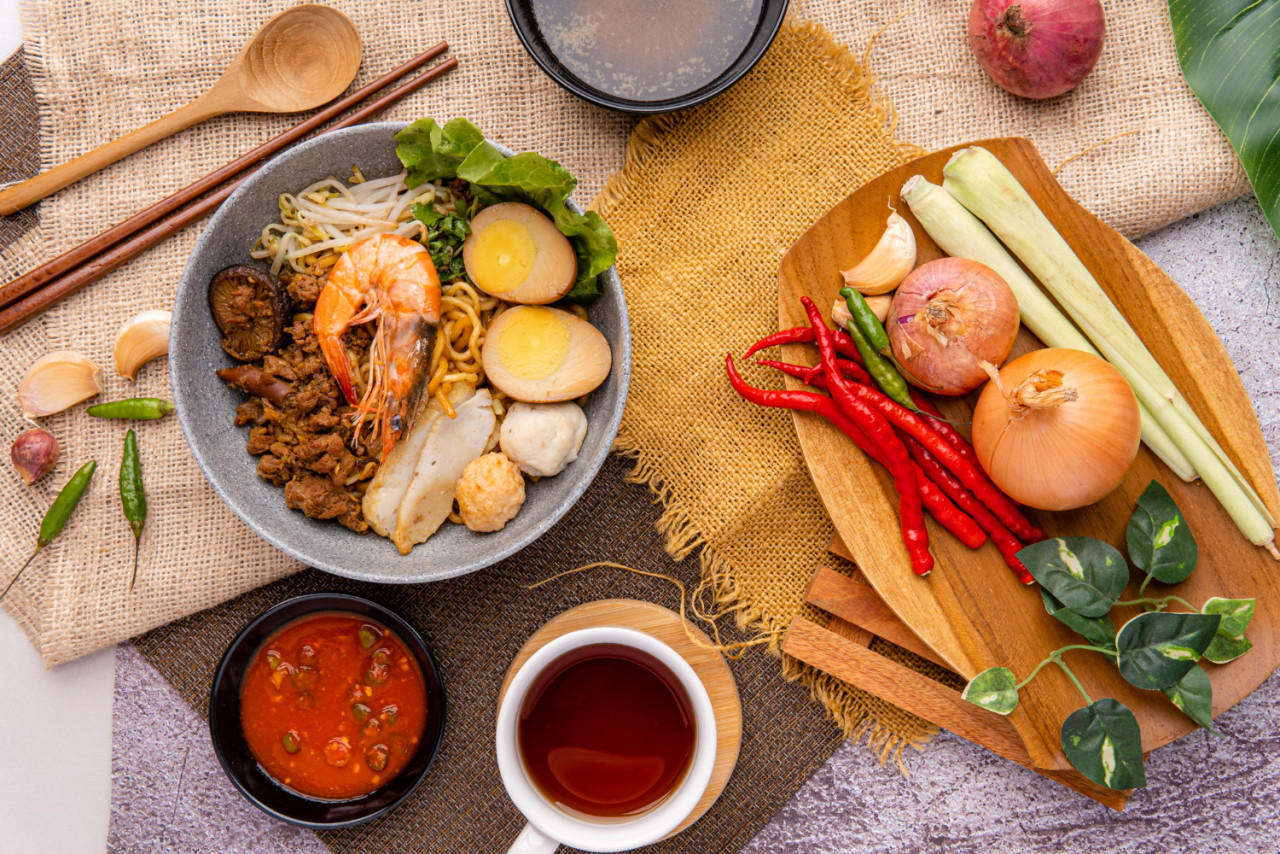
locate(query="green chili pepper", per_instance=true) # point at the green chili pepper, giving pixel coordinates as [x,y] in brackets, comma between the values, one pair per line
[132,497]
[882,370]
[868,324]
[133,408]
[57,514]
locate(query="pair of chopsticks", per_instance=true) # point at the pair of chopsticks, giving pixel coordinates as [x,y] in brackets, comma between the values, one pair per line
[32,293]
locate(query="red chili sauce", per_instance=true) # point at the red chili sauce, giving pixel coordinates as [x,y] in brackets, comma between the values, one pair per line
[333,706]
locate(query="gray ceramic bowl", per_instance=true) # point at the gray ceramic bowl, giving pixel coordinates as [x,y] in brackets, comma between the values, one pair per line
[206,405]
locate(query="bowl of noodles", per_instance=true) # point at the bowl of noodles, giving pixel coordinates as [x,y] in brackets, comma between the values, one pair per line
[320,438]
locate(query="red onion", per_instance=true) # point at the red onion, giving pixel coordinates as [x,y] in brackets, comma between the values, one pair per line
[1037,48]
[947,318]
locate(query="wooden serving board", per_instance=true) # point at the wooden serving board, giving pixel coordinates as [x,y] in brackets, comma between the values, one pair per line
[971,610]
[668,627]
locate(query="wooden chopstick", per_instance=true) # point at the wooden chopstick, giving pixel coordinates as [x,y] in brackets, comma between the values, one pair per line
[112,240]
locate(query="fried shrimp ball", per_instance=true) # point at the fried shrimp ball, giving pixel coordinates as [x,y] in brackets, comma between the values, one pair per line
[490,492]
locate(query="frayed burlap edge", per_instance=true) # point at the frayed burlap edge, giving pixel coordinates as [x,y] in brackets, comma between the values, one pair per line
[845,704]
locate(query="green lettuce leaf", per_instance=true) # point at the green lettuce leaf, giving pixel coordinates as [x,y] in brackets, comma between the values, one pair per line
[431,152]
[1229,51]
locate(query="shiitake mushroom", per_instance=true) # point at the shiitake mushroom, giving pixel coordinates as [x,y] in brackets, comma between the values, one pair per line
[250,307]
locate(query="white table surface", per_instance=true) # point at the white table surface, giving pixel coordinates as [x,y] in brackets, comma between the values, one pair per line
[55,778]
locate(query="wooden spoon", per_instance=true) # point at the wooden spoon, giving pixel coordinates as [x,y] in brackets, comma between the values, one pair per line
[300,59]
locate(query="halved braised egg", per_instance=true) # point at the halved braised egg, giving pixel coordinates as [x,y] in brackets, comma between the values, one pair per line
[516,253]
[544,355]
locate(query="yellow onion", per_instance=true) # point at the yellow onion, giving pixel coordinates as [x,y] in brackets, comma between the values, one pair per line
[1056,428]
[947,318]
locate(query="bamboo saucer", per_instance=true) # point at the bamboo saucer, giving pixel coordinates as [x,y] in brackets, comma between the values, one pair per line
[665,625]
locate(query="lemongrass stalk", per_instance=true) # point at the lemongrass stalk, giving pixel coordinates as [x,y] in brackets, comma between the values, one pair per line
[962,235]
[980,182]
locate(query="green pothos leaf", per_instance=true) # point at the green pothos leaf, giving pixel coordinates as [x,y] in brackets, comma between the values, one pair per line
[1194,696]
[1223,649]
[1085,574]
[994,689]
[1159,541]
[1103,742]
[1158,648]
[1236,614]
[1099,630]
[1229,51]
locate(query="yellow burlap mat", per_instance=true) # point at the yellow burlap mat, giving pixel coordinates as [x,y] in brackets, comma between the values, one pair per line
[706,205]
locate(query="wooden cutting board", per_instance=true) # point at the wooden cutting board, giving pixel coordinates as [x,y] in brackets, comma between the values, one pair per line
[970,609]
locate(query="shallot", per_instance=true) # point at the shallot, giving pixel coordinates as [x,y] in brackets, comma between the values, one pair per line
[1037,48]
[947,318]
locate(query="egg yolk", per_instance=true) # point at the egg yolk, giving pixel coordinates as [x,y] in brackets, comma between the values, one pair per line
[504,255]
[534,343]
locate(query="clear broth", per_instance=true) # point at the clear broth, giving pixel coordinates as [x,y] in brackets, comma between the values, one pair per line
[606,731]
[647,49]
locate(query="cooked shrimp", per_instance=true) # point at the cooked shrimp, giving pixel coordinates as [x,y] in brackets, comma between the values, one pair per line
[390,279]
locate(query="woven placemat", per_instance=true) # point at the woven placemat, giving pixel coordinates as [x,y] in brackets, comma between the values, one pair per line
[476,624]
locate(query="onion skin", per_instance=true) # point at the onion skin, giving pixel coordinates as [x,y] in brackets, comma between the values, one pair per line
[1064,457]
[1037,48]
[947,318]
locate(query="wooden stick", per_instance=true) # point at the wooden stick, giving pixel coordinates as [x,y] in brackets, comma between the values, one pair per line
[19,312]
[45,273]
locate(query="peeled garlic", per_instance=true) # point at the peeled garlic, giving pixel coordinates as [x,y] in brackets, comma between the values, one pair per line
[57,380]
[879,306]
[892,258]
[140,340]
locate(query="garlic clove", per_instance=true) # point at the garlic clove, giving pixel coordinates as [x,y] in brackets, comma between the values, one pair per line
[57,380]
[878,304]
[140,340]
[889,262]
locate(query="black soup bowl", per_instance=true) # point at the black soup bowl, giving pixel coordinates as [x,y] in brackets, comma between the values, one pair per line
[535,41]
[233,751]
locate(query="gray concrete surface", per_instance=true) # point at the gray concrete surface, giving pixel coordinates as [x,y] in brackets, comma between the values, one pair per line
[1205,794]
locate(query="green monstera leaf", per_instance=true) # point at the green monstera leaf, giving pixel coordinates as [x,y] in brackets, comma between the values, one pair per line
[1157,649]
[994,689]
[1159,541]
[1194,696]
[1082,573]
[1098,630]
[1103,742]
[1229,51]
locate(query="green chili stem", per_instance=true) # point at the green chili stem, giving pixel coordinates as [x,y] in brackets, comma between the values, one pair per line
[14,580]
[1074,680]
[55,518]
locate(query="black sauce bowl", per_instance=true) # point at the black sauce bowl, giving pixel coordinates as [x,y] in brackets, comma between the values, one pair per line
[521,11]
[233,752]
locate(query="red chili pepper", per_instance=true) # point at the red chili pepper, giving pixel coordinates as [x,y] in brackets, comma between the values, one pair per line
[943,428]
[1006,543]
[970,475]
[878,429]
[814,377]
[795,335]
[804,335]
[932,498]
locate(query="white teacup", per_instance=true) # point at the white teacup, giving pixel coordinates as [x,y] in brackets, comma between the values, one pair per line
[550,826]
